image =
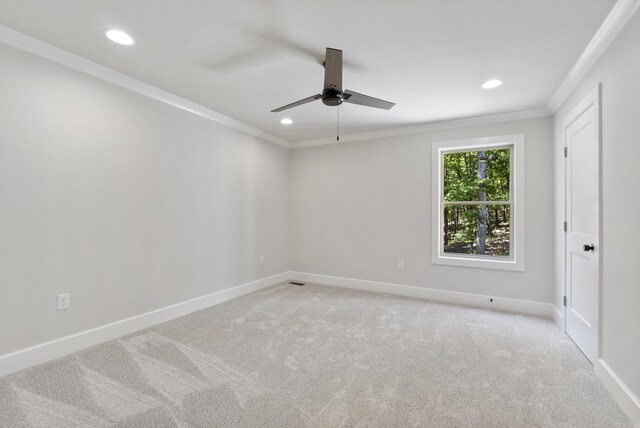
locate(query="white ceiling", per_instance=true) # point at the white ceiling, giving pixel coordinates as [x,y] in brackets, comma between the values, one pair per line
[244,58]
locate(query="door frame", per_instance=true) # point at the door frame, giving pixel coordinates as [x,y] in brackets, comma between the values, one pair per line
[592,99]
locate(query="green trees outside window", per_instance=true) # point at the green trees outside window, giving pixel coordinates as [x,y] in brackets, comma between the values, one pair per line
[477,202]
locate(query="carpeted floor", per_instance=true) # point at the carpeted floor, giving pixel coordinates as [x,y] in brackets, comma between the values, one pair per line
[292,356]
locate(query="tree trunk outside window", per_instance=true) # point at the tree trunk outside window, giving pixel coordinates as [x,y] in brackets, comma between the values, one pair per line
[483,214]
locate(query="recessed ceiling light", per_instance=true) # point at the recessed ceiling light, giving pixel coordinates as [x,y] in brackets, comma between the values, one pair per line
[490,84]
[119,37]
[286,121]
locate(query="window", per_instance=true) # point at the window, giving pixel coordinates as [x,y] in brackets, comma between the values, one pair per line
[478,202]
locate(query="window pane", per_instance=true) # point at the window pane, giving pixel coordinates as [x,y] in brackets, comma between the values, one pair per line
[478,175]
[477,229]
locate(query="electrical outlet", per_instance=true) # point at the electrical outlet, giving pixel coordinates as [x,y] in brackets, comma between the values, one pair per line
[64,301]
[261,260]
[400,264]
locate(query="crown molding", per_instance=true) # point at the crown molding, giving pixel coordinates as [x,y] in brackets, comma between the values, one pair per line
[44,50]
[427,127]
[620,14]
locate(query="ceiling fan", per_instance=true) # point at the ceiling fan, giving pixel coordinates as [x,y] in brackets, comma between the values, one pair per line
[332,94]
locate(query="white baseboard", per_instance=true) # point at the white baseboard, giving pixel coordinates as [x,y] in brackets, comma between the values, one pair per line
[628,402]
[25,358]
[38,354]
[478,300]
[558,317]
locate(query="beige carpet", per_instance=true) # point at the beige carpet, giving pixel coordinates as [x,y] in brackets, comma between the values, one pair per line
[294,356]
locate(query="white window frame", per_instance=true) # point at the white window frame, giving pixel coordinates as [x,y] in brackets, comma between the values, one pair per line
[516,260]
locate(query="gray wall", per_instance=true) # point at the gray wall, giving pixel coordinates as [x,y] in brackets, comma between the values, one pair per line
[127,203]
[358,207]
[619,72]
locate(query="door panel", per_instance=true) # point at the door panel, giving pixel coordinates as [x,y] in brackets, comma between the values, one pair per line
[584,167]
[582,288]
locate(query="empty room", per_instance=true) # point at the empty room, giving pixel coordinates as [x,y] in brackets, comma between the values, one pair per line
[279,213]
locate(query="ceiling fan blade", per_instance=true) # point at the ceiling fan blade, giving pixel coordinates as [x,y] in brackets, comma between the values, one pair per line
[366,100]
[333,69]
[298,103]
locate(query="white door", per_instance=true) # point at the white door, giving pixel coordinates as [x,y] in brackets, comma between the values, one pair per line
[582,237]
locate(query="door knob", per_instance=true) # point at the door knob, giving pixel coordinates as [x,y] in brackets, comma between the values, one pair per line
[590,247]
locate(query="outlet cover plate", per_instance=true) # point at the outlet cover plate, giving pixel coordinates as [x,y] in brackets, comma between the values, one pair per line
[64,301]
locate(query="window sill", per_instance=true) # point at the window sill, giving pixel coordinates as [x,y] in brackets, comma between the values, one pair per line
[479,262]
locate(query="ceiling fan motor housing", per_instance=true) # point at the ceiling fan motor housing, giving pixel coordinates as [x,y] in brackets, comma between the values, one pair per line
[332,97]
